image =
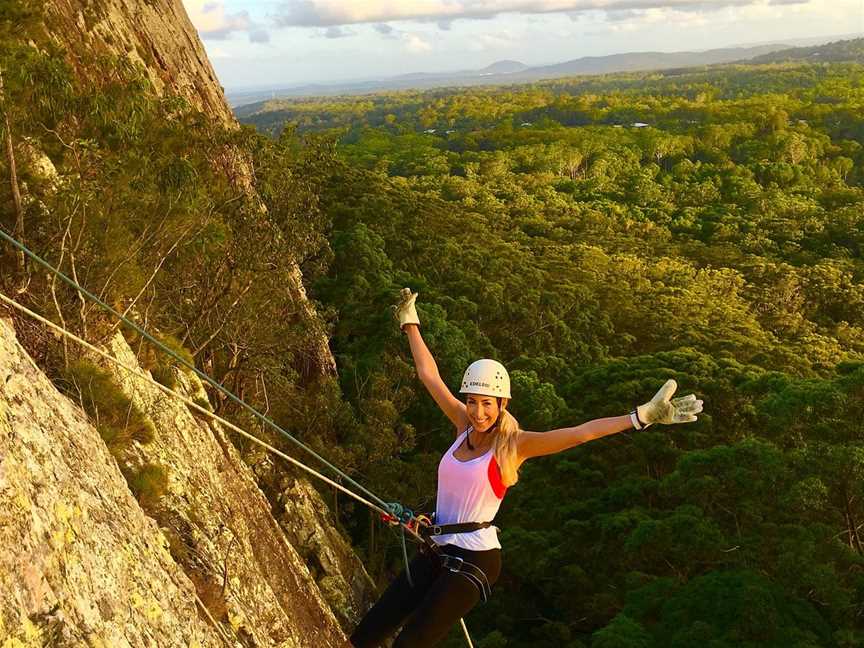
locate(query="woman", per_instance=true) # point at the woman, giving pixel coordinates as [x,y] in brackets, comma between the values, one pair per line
[473,477]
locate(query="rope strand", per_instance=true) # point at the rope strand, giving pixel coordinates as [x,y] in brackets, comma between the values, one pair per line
[203,376]
[381,506]
[190,403]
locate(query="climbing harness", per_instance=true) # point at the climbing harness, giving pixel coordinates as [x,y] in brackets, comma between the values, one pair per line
[459,565]
[448,529]
[470,571]
[426,528]
[455,563]
[405,517]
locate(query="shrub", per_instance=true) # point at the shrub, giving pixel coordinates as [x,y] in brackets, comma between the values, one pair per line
[115,416]
[160,364]
[164,375]
[148,484]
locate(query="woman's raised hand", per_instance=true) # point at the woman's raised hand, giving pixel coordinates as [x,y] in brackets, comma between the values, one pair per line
[665,409]
[405,311]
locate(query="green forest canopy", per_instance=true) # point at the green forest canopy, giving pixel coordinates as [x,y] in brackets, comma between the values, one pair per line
[720,244]
[599,235]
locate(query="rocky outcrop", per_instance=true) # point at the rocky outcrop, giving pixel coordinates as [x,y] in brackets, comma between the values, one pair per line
[155,33]
[80,563]
[220,526]
[209,565]
[341,577]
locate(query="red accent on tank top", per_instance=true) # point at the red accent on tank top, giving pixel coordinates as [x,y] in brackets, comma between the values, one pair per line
[495,481]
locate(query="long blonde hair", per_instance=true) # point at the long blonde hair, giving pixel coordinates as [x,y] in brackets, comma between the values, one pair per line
[505,445]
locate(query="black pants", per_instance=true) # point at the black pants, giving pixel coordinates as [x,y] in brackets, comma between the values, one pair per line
[428,610]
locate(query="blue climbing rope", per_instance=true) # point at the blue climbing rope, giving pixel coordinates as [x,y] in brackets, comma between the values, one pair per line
[405,517]
[397,509]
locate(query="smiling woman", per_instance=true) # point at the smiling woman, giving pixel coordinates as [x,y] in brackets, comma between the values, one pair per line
[464,561]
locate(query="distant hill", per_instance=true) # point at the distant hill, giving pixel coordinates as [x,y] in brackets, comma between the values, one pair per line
[508,71]
[644,61]
[504,67]
[499,67]
[503,72]
[847,50]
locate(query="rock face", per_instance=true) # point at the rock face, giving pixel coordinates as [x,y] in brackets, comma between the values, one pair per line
[342,579]
[80,563]
[155,33]
[88,565]
[220,526]
[208,565]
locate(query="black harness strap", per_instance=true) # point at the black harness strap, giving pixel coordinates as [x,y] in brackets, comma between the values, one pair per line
[447,529]
[456,564]
[470,571]
[459,565]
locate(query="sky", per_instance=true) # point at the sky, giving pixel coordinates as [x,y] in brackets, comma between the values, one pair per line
[276,43]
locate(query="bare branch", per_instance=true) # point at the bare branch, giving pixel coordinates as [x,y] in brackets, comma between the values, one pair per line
[16,194]
[206,309]
[142,242]
[66,235]
[225,315]
[152,277]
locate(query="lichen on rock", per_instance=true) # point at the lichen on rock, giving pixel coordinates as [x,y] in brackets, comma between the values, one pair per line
[87,559]
[80,563]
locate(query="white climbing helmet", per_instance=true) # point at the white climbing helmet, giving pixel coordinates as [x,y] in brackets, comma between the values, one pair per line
[487,377]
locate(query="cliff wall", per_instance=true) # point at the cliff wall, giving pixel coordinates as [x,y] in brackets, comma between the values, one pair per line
[82,561]
[156,33]
[212,562]
[223,531]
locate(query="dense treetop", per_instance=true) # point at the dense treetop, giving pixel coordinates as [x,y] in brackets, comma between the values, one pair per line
[599,235]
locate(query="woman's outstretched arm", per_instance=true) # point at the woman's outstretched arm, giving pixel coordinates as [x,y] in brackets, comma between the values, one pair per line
[427,368]
[427,371]
[660,409]
[536,444]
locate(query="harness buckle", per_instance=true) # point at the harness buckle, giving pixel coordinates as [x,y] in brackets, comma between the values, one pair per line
[436,529]
[472,572]
[458,560]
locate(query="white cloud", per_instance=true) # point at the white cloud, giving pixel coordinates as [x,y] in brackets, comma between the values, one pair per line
[633,19]
[416,44]
[213,22]
[629,20]
[497,41]
[344,12]
[216,52]
[338,32]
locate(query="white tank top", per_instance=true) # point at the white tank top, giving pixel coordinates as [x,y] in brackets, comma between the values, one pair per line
[469,491]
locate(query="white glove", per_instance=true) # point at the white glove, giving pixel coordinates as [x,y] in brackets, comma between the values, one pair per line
[661,409]
[405,311]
